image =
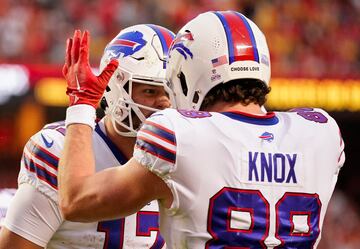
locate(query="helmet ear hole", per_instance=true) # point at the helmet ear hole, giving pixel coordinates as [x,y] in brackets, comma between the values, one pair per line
[126,86]
[103,102]
[183,83]
[196,97]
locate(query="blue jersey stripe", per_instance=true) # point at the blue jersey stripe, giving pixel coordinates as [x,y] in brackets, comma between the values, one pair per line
[160,132]
[156,150]
[43,155]
[269,119]
[114,149]
[40,171]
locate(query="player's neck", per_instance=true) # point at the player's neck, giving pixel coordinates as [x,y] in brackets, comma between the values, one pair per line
[124,144]
[225,107]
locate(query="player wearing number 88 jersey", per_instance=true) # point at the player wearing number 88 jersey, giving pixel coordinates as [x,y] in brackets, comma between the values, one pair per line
[226,174]
[34,219]
[265,179]
[256,191]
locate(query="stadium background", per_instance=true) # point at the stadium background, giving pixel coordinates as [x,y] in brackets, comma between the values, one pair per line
[315,55]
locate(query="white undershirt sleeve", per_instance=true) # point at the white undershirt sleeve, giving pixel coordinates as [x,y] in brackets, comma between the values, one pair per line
[33,216]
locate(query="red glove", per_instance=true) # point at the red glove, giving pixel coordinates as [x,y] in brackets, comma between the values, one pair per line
[83,87]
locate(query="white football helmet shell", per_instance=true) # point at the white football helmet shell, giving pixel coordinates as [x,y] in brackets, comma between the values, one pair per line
[215,48]
[142,53]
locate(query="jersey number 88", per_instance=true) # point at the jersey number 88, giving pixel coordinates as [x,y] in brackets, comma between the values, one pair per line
[290,206]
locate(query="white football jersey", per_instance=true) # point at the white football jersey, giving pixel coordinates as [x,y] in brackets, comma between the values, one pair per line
[6,195]
[44,224]
[241,180]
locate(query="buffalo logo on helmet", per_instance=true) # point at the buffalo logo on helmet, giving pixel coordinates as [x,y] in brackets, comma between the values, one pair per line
[126,44]
[178,45]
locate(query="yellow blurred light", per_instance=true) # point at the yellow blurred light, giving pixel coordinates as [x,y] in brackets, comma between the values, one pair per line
[51,92]
[332,95]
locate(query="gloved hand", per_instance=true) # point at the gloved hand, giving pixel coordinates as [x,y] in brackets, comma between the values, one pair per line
[83,87]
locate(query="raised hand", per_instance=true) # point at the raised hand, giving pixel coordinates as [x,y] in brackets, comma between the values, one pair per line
[83,87]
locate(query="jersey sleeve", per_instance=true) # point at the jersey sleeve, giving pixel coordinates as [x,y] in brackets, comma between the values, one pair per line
[341,158]
[317,118]
[338,140]
[40,158]
[155,145]
[5,197]
[32,215]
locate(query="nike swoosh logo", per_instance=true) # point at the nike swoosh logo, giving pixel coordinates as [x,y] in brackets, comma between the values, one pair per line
[46,142]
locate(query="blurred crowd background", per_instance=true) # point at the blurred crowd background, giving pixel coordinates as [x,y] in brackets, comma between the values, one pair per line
[317,39]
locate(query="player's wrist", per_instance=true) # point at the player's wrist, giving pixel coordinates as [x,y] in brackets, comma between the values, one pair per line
[81,114]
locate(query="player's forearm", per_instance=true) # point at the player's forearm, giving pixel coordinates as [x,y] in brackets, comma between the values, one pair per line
[10,240]
[76,165]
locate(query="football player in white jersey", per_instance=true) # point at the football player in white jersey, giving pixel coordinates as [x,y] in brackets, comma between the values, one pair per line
[226,174]
[34,219]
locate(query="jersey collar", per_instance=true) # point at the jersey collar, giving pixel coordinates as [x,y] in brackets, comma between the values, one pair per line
[100,129]
[267,119]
